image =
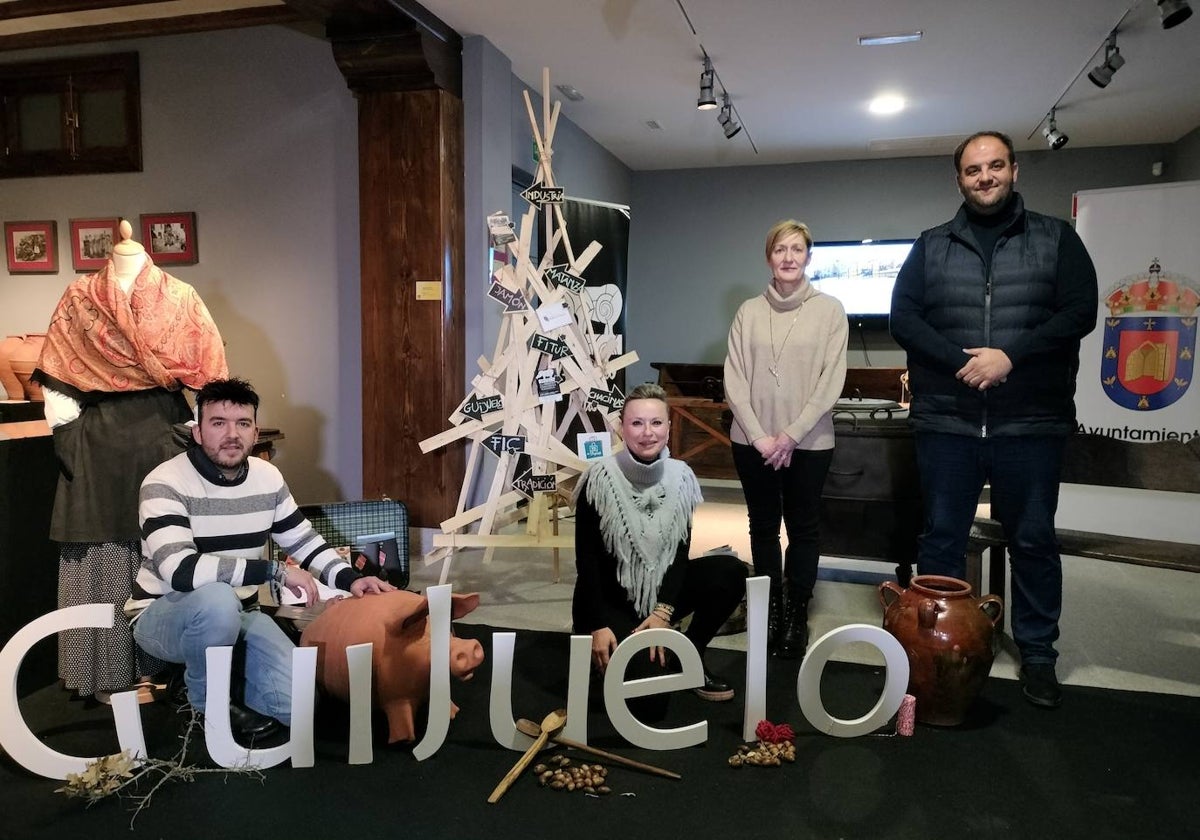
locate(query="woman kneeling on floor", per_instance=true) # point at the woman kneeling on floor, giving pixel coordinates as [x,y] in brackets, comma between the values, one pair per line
[633,523]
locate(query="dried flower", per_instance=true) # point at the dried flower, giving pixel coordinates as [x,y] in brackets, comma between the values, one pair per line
[120,774]
[774,733]
[102,777]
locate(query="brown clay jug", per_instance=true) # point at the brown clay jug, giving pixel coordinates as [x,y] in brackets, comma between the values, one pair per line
[8,379]
[947,633]
[24,359]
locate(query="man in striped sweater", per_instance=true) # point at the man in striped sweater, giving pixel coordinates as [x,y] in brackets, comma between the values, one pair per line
[205,517]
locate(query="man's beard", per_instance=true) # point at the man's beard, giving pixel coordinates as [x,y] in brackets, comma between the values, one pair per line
[229,458]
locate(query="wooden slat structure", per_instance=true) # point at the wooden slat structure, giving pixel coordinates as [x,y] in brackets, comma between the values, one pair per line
[524,430]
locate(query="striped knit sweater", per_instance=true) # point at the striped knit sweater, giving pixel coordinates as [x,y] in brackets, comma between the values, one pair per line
[198,528]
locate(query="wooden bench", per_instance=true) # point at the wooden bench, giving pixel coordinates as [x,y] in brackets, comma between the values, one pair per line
[1103,461]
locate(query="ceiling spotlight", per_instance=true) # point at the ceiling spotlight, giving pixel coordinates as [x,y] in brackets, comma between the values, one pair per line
[1053,136]
[707,101]
[1174,12]
[885,104]
[1102,73]
[725,118]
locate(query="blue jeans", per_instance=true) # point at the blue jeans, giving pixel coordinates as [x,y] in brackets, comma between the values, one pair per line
[1023,472]
[792,496]
[181,626]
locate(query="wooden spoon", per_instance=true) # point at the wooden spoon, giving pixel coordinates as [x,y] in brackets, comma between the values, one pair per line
[528,727]
[551,724]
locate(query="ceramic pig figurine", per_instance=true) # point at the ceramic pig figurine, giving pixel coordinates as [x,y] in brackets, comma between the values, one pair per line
[397,625]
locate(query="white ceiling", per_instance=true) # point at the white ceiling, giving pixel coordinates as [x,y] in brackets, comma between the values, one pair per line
[801,83]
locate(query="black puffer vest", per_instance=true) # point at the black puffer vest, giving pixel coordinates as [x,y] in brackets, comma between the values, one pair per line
[973,309]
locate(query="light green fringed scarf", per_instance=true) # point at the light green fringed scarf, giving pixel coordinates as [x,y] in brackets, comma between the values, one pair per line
[645,512]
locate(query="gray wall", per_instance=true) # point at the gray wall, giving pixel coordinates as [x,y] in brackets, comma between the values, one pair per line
[697,236]
[1183,161]
[256,132]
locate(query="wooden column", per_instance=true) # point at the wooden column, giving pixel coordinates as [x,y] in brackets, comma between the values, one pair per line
[405,67]
[411,209]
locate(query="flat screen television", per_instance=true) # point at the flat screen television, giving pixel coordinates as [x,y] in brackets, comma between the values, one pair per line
[861,275]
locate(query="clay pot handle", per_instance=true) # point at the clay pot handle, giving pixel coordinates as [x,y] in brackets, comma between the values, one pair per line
[927,612]
[889,586]
[997,605]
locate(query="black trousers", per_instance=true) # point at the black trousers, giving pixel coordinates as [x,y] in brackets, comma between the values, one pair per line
[792,496]
[712,589]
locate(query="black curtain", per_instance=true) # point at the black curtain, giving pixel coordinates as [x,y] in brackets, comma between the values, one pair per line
[610,227]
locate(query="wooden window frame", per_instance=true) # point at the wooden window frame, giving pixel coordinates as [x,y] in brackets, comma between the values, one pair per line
[69,78]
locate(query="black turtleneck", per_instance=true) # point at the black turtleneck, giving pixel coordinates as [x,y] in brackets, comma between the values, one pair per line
[988,228]
[211,472]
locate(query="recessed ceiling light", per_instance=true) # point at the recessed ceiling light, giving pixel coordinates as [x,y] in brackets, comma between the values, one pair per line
[570,91]
[890,38]
[888,103]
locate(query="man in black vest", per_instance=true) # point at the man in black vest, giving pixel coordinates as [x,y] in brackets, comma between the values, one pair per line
[991,307]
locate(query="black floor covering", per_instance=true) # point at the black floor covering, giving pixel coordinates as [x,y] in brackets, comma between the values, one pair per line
[1108,764]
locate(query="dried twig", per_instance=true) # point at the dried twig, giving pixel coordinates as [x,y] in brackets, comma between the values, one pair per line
[121,774]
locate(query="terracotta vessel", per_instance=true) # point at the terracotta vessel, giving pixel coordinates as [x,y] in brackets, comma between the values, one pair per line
[947,633]
[24,359]
[8,379]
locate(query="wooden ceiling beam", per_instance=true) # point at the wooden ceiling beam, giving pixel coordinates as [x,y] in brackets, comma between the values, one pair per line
[15,9]
[182,24]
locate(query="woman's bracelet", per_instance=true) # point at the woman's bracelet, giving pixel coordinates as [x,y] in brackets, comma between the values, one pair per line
[663,611]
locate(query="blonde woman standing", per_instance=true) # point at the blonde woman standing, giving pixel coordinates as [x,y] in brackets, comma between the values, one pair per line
[784,371]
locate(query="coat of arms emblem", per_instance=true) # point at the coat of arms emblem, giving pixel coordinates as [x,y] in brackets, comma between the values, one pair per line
[1149,339]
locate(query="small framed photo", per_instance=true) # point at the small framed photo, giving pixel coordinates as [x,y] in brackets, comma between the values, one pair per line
[170,238]
[92,242]
[32,247]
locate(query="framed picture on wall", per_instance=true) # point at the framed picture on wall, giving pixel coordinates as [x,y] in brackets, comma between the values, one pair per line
[170,238]
[32,247]
[92,242]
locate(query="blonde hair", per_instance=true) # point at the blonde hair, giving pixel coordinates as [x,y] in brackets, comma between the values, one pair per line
[645,391]
[784,229]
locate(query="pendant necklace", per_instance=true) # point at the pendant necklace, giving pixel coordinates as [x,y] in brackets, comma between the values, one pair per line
[773,368]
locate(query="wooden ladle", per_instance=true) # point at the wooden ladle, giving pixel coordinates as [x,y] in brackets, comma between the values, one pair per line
[530,728]
[551,724]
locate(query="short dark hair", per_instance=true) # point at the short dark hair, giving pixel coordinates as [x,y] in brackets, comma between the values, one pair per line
[232,390]
[999,135]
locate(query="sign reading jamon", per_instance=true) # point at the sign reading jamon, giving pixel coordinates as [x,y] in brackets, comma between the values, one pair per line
[27,750]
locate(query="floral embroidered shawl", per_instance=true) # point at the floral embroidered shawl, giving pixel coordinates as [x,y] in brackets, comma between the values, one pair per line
[160,334]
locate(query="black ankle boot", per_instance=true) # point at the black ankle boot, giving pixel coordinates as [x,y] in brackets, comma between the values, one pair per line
[774,615]
[793,636]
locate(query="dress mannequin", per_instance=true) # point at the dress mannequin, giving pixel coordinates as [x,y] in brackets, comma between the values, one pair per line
[128,257]
[113,385]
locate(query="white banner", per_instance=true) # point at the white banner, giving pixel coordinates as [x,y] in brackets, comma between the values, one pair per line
[1136,369]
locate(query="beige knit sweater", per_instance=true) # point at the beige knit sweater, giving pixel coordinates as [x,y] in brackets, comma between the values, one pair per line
[811,366]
